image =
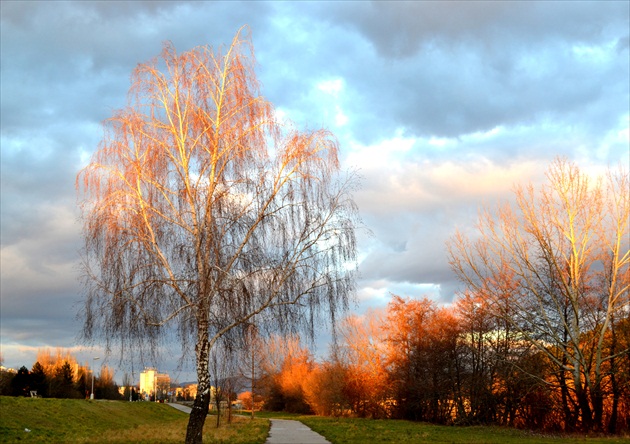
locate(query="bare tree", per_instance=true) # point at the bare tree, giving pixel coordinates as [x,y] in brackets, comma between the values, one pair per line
[223,371]
[202,210]
[560,255]
[250,361]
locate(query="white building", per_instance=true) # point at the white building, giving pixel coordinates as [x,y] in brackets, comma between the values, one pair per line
[153,383]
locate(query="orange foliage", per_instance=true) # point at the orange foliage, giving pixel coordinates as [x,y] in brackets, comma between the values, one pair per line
[52,362]
[364,354]
[325,389]
[288,367]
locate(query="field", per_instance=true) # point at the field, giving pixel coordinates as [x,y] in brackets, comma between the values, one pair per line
[79,421]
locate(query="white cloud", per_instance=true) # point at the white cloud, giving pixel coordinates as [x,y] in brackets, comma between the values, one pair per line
[333,87]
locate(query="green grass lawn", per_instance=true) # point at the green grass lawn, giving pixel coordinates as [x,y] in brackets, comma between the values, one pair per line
[359,431]
[80,421]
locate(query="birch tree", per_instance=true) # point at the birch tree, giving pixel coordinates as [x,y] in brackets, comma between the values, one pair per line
[202,210]
[560,255]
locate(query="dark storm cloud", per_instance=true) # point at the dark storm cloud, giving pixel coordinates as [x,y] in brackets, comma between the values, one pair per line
[452,68]
[402,29]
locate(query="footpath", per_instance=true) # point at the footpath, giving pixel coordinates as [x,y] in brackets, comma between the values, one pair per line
[283,431]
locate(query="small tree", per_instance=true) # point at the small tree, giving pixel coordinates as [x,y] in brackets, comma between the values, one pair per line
[127,396]
[223,367]
[107,387]
[62,385]
[39,381]
[250,363]
[21,382]
[201,210]
[5,382]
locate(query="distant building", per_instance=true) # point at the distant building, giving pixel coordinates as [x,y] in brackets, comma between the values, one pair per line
[187,393]
[154,385]
[192,391]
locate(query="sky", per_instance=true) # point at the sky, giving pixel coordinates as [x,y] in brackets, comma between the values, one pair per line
[441,107]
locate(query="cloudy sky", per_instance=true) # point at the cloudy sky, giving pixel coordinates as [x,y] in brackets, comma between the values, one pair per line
[441,107]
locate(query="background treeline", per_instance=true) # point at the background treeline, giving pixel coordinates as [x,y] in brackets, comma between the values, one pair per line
[59,375]
[540,337]
[447,365]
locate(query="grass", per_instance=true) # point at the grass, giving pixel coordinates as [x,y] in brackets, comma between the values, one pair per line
[80,421]
[275,415]
[359,431]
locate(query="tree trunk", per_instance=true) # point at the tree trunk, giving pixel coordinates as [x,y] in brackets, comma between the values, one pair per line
[584,406]
[218,404]
[612,423]
[569,416]
[253,375]
[598,406]
[194,431]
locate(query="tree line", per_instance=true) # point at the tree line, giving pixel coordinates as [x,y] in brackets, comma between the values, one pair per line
[59,375]
[539,338]
[448,365]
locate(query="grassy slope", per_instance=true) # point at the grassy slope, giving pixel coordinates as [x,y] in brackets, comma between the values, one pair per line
[67,420]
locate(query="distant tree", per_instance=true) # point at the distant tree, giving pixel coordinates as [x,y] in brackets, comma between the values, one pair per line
[250,361]
[247,401]
[127,396]
[407,321]
[39,380]
[51,361]
[490,352]
[202,209]
[295,374]
[62,384]
[5,383]
[363,352]
[223,370]
[21,383]
[286,370]
[326,388]
[83,379]
[106,386]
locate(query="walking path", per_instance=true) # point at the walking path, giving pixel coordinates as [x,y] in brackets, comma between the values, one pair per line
[180,407]
[283,431]
[287,431]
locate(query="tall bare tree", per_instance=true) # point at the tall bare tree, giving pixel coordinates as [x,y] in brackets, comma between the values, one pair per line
[202,210]
[560,255]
